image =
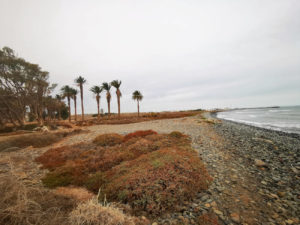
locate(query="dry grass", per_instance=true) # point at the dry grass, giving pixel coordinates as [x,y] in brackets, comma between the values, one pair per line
[127,118]
[80,194]
[94,213]
[23,205]
[36,140]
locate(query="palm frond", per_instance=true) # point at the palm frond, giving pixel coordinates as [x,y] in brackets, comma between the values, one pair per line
[116,83]
[106,86]
[96,89]
[74,91]
[66,91]
[80,80]
[137,95]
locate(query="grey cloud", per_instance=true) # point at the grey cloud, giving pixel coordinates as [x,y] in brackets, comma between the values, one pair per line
[179,54]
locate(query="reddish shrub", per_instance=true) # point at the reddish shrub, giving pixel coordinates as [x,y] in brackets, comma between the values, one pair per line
[139,133]
[56,157]
[157,181]
[152,173]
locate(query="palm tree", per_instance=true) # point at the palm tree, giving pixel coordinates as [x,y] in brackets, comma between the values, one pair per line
[117,84]
[136,95]
[80,81]
[97,91]
[74,96]
[106,86]
[67,93]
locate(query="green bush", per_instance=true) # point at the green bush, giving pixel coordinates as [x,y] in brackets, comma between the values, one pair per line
[57,179]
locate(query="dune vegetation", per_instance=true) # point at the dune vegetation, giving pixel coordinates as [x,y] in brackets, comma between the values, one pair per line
[151,172]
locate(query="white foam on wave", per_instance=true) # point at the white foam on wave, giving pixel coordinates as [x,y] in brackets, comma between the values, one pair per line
[279,110]
[285,119]
[252,116]
[285,127]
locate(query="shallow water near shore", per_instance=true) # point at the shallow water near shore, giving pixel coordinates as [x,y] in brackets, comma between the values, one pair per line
[286,119]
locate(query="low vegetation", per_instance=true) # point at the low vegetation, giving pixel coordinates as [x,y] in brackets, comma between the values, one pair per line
[21,204]
[93,212]
[127,118]
[108,139]
[137,134]
[153,173]
[34,139]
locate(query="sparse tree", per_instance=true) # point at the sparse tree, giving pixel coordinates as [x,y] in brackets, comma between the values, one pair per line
[24,88]
[67,93]
[117,84]
[106,86]
[97,91]
[50,106]
[137,95]
[80,81]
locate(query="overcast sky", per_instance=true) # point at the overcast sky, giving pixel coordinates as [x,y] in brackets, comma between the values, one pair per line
[184,54]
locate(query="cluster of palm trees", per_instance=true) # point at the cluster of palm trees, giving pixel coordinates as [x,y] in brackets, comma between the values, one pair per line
[71,93]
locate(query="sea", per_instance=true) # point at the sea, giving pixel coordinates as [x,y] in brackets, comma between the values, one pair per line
[286,119]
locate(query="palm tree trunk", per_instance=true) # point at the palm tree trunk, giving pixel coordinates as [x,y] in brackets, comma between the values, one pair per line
[119,106]
[138,105]
[75,106]
[81,96]
[108,105]
[98,106]
[69,109]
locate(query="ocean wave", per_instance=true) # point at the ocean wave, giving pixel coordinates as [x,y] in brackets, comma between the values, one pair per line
[279,110]
[285,127]
[252,116]
[282,119]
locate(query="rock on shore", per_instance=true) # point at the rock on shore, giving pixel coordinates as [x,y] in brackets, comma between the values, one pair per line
[273,158]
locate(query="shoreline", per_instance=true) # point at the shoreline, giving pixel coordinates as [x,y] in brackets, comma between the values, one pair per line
[281,133]
[272,160]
